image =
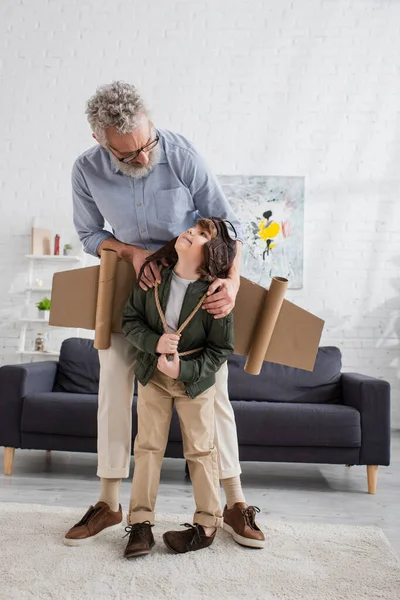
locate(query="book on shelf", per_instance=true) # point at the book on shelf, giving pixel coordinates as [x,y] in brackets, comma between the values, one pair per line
[41,241]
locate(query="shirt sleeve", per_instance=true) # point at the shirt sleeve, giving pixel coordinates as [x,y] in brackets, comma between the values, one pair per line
[88,221]
[207,194]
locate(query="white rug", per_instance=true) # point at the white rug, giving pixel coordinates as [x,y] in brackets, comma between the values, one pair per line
[299,562]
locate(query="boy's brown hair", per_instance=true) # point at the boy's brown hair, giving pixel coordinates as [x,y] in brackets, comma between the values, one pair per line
[219,252]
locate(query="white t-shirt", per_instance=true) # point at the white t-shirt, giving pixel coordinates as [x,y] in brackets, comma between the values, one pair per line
[175,300]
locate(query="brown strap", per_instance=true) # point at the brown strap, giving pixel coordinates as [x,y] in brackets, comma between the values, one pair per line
[185,322]
[190,351]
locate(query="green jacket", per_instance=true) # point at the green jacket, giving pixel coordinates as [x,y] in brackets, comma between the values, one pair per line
[141,325]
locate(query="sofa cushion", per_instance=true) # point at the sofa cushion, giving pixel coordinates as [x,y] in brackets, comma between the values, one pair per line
[60,413]
[290,424]
[277,383]
[78,367]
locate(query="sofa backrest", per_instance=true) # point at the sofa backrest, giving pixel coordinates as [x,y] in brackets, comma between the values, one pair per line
[277,383]
[78,367]
[78,372]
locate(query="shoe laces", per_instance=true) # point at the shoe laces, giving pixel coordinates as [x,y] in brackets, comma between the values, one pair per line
[88,515]
[249,514]
[137,529]
[196,537]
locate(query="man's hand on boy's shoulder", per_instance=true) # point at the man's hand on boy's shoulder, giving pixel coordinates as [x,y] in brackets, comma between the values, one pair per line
[152,271]
[171,368]
[220,303]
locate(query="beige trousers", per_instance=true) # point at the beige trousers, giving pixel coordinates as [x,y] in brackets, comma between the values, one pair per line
[114,420]
[196,416]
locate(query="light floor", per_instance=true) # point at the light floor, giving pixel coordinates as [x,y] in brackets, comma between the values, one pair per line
[292,492]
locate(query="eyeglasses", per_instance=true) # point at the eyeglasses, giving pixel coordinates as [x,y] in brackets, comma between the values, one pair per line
[146,148]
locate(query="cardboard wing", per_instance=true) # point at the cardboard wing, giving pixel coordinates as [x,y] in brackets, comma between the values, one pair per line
[267,327]
[93,297]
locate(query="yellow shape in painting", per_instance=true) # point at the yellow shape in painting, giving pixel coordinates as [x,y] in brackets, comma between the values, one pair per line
[269,231]
[272,245]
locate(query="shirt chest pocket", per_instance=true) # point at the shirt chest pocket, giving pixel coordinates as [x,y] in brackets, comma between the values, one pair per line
[170,204]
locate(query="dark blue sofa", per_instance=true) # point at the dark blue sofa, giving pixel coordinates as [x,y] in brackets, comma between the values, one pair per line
[282,415]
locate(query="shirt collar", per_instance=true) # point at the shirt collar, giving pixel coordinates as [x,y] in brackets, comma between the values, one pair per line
[163,154]
[161,143]
[200,285]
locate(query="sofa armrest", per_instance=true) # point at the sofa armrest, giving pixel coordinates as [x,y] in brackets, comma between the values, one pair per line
[16,382]
[371,397]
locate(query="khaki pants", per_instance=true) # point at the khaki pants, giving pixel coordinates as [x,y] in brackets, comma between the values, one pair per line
[196,417]
[114,414]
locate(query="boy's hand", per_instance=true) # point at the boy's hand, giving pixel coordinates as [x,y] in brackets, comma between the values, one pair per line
[168,343]
[171,368]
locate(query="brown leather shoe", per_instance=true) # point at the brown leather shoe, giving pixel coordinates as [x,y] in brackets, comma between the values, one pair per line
[240,522]
[97,520]
[141,539]
[188,540]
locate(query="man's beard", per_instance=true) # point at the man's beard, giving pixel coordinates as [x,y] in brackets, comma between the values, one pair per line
[135,170]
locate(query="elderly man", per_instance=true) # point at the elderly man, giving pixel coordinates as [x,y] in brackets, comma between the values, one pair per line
[149,185]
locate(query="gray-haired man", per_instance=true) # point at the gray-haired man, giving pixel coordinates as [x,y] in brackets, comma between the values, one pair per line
[149,185]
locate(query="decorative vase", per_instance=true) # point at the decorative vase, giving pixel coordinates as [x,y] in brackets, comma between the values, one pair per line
[44,314]
[57,245]
[67,251]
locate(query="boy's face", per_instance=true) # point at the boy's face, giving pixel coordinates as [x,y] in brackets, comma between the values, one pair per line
[189,245]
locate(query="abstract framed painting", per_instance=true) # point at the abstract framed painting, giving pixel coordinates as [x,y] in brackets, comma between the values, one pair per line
[271,210]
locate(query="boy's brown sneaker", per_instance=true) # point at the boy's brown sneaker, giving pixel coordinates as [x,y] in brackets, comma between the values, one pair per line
[188,540]
[97,520]
[141,539]
[240,522]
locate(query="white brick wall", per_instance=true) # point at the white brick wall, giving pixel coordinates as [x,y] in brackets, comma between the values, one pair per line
[280,88]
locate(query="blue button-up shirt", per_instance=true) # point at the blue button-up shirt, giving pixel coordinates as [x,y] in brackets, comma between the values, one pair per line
[152,210]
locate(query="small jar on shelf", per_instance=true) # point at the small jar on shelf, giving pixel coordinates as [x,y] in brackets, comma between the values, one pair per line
[40,345]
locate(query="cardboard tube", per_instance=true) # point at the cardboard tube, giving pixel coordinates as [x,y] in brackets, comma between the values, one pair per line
[105,299]
[265,324]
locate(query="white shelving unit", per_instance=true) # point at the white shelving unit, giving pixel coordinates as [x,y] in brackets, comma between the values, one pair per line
[36,289]
[36,353]
[45,322]
[52,257]
[32,296]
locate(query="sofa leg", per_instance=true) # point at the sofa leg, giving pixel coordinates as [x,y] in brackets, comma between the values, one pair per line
[372,476]
[8,460]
